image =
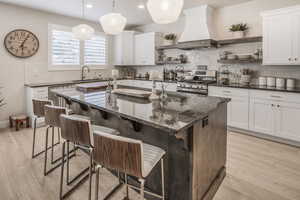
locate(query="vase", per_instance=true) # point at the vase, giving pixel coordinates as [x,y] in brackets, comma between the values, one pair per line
[238,34]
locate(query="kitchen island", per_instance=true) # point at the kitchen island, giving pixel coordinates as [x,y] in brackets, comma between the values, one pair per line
[190,128]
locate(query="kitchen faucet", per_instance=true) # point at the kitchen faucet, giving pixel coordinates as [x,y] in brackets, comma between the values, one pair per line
[82,71]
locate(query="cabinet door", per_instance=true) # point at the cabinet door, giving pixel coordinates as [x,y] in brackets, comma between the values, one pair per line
[277,40]
[145,49]
[288,121]
[296,38]
[118,50]
[238,112]
[261,116]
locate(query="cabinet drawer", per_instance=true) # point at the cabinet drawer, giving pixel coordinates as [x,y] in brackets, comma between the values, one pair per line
[227,92]
[275,96]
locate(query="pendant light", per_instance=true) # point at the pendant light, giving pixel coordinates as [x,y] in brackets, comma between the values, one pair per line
[83,31]
[113,23]
[165,11]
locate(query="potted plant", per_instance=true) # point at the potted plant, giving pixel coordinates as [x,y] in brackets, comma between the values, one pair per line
[239,30]
[169,39]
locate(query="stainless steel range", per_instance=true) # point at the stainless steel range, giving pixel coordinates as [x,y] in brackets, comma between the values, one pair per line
[197,82]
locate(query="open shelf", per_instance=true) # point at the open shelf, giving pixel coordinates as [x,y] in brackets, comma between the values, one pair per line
[237,61]
[240,40]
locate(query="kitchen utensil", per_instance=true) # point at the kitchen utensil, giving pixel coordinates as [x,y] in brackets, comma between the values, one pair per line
[262,81]
[271,81]
[280,82]
[290,83]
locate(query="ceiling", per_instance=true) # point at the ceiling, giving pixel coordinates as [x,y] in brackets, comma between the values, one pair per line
[128,8]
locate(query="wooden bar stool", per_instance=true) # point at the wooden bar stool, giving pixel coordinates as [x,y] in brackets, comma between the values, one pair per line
[133,157]
[79,131]
[18,120]
[39,112]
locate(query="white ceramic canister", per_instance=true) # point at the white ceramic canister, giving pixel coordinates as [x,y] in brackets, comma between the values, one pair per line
[262,81]
[290,83]
[280,82]
[271,81]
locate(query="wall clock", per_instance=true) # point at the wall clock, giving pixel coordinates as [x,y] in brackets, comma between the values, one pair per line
[21,43]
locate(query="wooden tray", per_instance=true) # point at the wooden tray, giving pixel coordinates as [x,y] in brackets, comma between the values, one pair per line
[132,92]
[90,87]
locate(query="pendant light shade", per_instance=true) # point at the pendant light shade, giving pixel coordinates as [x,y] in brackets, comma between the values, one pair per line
[165,11]
[83,32]
[113,23]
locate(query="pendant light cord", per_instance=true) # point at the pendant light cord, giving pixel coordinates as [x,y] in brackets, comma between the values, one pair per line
[113,5]
[83,14]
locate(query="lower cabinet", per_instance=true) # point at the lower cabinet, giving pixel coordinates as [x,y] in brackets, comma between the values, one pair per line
[271,113]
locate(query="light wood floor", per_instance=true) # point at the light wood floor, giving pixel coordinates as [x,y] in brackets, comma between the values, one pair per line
[256,170]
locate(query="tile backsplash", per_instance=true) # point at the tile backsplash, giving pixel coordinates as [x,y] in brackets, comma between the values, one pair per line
[210,58]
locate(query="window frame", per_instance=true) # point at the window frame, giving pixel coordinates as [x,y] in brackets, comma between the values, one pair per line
[52,67]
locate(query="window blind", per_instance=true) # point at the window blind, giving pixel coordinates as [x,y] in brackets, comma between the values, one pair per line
[65,48]
[95,51]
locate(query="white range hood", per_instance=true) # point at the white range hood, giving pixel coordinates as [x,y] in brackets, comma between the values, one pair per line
[198,24]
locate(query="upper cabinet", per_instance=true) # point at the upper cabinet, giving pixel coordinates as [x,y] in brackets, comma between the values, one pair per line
[281,36]
[145,48]
[124,48]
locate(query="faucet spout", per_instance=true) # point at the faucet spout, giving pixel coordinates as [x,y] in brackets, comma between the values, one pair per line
[83,68]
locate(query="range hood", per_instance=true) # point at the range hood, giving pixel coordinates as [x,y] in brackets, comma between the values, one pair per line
[199,30]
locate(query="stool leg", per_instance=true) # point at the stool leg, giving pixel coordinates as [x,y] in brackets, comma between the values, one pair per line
[33,141]
[27,122]
[17,125]
[52,146]
[62,171]
[90,174]
[46,151]
[162,179]
[10,122]
[97,182]
[68,163]
[126,183]
[142,188]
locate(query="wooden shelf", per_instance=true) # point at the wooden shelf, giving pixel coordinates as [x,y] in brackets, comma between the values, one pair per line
[170,63]
[240,40]
[239,61]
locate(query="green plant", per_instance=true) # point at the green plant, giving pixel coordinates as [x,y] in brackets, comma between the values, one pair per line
[170,36]
[238,27]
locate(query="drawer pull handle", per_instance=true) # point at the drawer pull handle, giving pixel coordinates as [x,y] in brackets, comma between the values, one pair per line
[274,96]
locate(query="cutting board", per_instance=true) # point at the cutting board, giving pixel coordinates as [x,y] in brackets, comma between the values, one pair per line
[90,87]
[132,92]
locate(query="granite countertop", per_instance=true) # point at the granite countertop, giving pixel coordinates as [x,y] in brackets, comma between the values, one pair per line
[177,112]
[258,87]
[33,85]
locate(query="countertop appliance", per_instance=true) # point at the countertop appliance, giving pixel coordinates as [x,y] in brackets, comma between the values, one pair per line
[199,83]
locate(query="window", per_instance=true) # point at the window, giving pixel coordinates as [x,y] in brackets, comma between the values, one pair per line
[67,53]
[95,51]
[65,48]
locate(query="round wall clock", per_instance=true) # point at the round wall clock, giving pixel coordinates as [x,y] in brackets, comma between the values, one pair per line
[21,43]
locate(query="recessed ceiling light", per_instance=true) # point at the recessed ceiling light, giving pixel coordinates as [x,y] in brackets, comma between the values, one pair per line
[89,5]
[141,6]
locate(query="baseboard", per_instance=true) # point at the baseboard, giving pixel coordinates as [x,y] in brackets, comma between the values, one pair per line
[4,124]
[265,137]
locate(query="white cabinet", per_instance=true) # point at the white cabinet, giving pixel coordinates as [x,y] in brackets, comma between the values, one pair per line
[276,114]
[124,48]
[237,108]
[261,116]
[145,44]
[281,36]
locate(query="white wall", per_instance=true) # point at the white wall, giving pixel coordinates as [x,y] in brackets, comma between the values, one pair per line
[14,72]
[248,12]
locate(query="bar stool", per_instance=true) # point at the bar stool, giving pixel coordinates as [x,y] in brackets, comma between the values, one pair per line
[38,111]
[133,157]
[80,132]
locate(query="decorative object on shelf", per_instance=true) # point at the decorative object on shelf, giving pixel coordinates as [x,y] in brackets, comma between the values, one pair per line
[239,30]
[21,43]
[115,75]
[245,77]
[154,76]
[113,23]
[169,39]
[83,31]
[165,11]
[223,55]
